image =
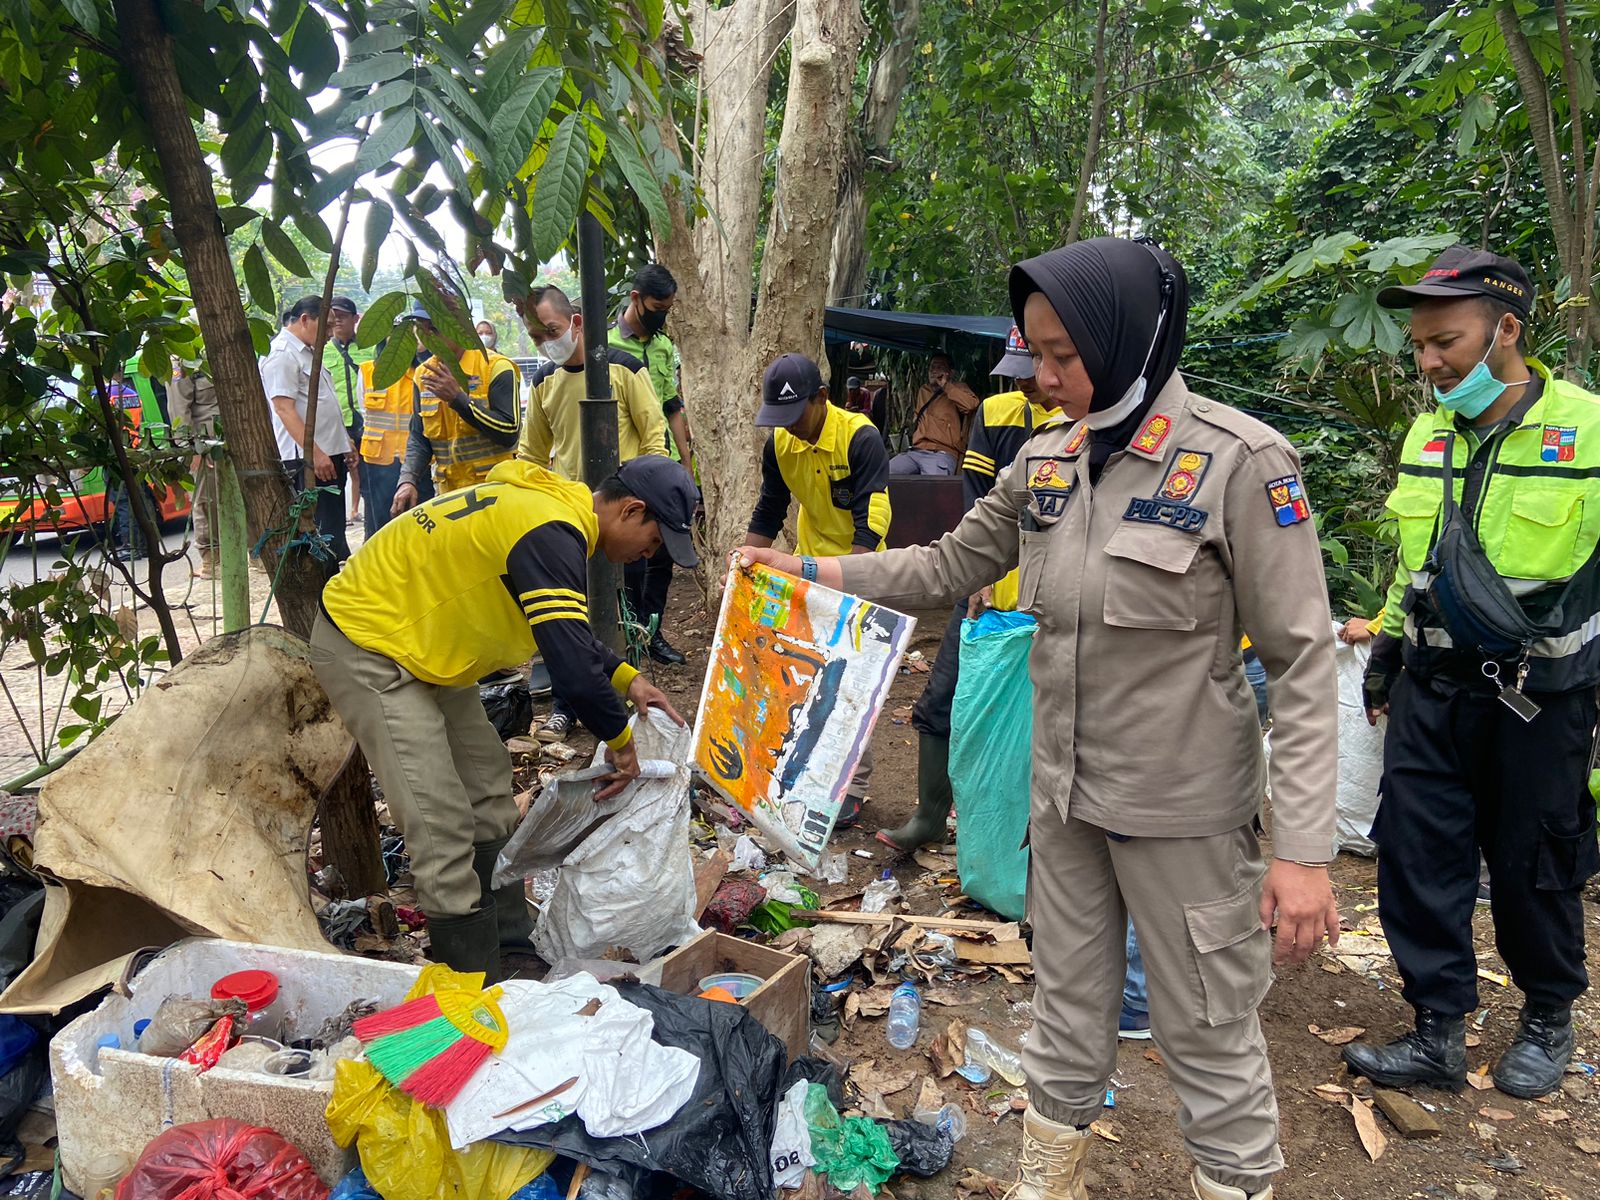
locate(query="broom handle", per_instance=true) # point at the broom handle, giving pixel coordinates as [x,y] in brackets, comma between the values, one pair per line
[578,1177]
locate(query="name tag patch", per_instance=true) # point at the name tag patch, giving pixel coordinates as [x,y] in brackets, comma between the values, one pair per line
[1156,511]
[1288,500]
[1049,485]
[840,493]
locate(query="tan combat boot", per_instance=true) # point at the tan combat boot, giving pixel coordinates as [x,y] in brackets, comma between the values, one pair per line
[1207,1188]
[1052,1161]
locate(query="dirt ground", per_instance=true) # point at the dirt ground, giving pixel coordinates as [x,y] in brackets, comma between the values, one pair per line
[1525,1149]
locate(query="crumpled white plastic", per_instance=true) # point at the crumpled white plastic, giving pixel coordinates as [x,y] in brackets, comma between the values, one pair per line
[621,1082]
[791,1139]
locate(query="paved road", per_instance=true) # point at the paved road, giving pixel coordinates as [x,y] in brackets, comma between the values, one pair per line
[25,561]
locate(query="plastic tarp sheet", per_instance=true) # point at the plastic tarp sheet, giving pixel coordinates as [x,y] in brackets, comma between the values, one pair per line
[908,331]
[1360,756]
[991,765]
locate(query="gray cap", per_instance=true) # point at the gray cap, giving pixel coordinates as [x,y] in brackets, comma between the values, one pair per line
[786,389]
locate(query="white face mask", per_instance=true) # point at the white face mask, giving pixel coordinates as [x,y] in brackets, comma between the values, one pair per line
[559,349]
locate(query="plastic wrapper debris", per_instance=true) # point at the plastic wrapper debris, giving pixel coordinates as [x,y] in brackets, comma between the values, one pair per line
[731,906]
[509,706]
[921,1149]
[990,770]
[791,1140]
[405,1146]
[834,868]
[850,1151]
[1360,755]
[721,1140]
[221,1160]
[880,894]
[181,1021]
[356,1186]
[630,881]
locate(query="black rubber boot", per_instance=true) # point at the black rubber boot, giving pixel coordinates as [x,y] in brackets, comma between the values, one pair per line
[1534,1063]
[934,797]
[1434,1053]
[510,901]
[469,943]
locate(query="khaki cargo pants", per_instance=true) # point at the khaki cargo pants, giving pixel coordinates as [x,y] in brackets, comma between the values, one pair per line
[1194,904]
[444,771]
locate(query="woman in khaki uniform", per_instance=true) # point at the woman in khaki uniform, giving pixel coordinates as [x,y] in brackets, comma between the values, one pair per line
[1151,529]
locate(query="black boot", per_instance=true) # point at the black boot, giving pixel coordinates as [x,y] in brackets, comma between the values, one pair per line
[510,901]
[665,652]
[1434,1053]
[934,797]
[1533,1064]
[469,943]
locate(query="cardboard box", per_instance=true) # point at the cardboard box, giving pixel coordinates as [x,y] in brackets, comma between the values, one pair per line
[782,1004]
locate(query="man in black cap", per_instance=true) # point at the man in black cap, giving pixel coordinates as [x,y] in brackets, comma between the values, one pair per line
[471,582]
[1487,667]
[832,461]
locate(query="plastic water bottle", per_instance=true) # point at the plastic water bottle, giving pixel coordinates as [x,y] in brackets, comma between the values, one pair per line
[984,1051]
[905,1014]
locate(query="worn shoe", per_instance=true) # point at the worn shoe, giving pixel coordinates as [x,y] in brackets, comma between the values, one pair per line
[934,798]
[1434,1053]
[1533,1064]
[1207,1188]
[665,652]
[556,728]
[1052,1163]
[850,811]
[1133,1026]
[470,943]
[207,568]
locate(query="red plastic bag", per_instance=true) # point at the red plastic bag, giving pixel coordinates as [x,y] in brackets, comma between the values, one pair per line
[222,1160]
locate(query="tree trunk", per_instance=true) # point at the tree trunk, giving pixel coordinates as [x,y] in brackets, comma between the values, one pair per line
[1541,127]
[1097,121]
[247,424]
[1580,318]
[867,147]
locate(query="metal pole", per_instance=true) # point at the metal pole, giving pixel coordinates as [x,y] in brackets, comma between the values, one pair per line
[598,419]
[233,554]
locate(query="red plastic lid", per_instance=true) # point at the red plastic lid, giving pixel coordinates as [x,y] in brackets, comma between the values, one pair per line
[256,988]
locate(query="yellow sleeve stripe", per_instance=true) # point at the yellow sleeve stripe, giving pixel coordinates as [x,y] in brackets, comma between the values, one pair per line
[978,462]
[559,615]
[532,606]
[622,678]
[570,593]
[622,739]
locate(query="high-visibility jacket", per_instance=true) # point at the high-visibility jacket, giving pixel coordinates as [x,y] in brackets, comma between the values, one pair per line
[1537,517]
[386,417]
[463,452]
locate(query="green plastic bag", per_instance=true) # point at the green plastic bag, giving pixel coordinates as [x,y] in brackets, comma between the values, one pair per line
[850,1151]
[991,769]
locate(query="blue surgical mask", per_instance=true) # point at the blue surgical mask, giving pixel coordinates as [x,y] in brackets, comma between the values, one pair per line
[1477,391]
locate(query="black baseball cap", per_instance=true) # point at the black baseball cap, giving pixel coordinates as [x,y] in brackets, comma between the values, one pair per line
[1018,360]
[343,304]
[668,491]
[1462,271]
[786,389]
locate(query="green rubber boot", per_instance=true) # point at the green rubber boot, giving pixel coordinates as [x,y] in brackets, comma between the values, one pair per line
[466,943]
[934,797]
[510,901]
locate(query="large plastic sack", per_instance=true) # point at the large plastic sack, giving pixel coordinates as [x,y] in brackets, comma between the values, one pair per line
[630,882]
[1360,755]
[991,768]
[405,1147]
[222,1160]
[720,1142]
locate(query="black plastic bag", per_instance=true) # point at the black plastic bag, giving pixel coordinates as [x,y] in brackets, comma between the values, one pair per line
[720,1141]
[509,706]
[922,1149]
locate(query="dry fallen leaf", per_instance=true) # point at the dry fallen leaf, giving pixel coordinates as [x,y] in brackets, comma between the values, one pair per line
[1341,1036]
[873,1002]
[949,997]
[1332,1091]
[1496,1114]
[1103,1129]
[1479,1079]
[1155,1057]
[1484,1131]
[1588,1145]
[1372,1139]
[976,1183]
[1474,1040]
[930,1098]
[872,1105]
[870,1079]
[949,1050]
[1553,1116]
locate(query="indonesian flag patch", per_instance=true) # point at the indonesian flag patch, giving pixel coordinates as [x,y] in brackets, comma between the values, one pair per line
[1433,453]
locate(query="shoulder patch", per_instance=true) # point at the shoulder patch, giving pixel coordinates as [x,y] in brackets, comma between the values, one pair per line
[1288,500]
[1078,439]
[541,374]
[1257,435]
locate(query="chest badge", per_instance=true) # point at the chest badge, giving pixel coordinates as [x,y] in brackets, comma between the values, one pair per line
[1560,443]
[1183,481]
[1078,439]
[1049,487]
[1288,500]
[1149,439]
[1432,454]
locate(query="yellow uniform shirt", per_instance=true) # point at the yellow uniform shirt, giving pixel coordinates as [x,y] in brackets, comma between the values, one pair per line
[841,482]
[551,429]
[472,581]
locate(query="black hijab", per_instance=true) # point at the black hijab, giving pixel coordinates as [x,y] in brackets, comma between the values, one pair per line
[1110,294]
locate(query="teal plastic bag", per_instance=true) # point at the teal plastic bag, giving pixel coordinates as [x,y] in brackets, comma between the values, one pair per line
[991,767]
[850,1151]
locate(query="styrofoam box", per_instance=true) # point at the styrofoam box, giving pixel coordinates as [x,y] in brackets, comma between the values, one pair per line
[119,1101]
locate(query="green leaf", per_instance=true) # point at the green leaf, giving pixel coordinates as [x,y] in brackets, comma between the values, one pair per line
[372,70]
[312,50]
[329,188]
[450,314]
[474,22]
[444,352]
[559,189]
[642,180]
[380,315]
[516,123]
[1477,115]
[379,40]
[392,95]
[504,64]
[385,143]
[85,13]
[655,12]
[314,229]
[281,246]
[1326,251]
[445,149]
[379,218]
[395,358]
[258,279]
[1361,320]
[1405,252]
